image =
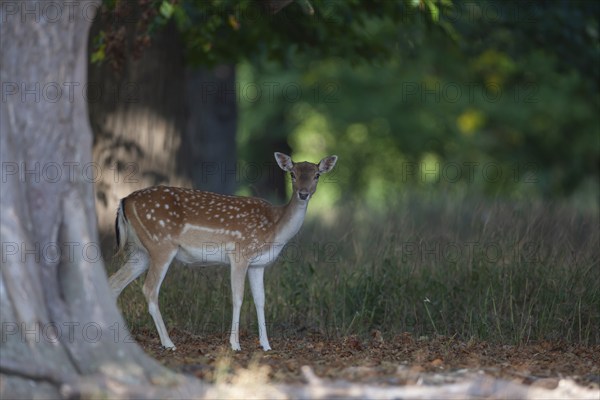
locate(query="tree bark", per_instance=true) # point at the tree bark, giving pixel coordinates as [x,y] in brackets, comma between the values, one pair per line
[58,317]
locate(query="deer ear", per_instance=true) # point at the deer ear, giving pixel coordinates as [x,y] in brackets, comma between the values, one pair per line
[327,164]
[284,161]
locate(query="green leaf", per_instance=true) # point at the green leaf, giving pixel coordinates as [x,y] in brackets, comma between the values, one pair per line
[99,55]
[166,9]
[434,10]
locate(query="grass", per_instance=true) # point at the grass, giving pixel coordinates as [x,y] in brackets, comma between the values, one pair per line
[502,272]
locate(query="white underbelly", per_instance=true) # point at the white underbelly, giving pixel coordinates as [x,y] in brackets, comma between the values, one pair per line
[205,253]
[212,253]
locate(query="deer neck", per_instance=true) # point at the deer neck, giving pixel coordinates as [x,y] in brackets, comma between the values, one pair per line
[291,219]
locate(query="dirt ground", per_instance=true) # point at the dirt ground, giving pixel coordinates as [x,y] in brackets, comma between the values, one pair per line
[379,360]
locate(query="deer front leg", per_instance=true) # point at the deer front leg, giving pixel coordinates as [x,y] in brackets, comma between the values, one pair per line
[238,276]
[255,275]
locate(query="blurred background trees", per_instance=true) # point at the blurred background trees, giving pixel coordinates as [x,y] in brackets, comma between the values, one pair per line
[481,98]
[499,97]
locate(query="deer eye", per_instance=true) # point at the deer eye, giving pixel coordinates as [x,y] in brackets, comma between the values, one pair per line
[317,176]
[293,175]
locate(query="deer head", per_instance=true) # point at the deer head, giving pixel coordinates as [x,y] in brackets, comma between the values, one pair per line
[305,175]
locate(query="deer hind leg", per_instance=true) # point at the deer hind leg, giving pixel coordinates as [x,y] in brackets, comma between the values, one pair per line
[238,277]
[255,276]
[137,262]
[158,269]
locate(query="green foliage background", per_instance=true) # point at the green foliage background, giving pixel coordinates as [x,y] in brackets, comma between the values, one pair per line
[492,100]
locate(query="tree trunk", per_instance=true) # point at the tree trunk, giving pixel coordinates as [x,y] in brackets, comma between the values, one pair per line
[156,122]
[209,152]
[60,325]
[138,119]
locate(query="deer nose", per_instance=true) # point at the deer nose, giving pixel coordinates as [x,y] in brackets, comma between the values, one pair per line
[303,195]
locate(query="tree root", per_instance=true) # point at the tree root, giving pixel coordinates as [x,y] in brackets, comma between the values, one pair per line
[471,387]
[34,372]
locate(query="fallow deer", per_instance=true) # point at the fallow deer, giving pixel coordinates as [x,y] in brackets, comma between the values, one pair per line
[162,223]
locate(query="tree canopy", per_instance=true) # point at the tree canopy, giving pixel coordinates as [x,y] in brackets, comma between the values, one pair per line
[217,31]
